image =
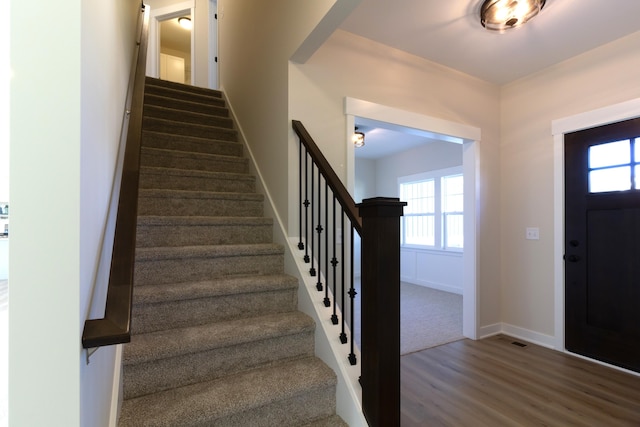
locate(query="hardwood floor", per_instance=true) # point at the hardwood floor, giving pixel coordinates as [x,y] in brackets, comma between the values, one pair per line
[493,382]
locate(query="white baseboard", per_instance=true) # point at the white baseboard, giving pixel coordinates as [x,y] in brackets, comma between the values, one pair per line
[533,337]
[490,330]
[116,388]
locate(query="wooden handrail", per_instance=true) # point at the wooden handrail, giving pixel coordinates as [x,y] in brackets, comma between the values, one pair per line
[115,327]
[341,193]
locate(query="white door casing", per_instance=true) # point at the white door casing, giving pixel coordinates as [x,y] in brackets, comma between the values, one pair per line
[559,127]
[469,136]
[153,49]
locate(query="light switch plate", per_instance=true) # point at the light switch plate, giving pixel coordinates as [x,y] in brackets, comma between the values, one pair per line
[533,233]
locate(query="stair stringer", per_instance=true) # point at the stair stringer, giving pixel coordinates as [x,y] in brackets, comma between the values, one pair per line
[328,347]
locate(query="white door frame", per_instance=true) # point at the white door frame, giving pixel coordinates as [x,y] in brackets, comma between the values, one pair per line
[153,50]
[213,44]
[590,119]
[469,136]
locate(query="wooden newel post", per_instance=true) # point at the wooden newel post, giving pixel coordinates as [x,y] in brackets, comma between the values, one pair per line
[380,299]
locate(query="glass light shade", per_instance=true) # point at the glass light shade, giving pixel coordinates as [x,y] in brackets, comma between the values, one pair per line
[358,139]
[185,23]
[500,15]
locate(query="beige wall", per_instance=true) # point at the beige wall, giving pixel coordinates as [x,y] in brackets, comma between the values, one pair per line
[256,41]
[601,77]
[348,65]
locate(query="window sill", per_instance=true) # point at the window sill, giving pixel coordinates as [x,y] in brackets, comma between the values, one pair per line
[433,250]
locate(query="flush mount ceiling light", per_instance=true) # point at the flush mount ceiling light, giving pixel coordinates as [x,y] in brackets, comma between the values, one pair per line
[500,15]
[185,22]
[358,138]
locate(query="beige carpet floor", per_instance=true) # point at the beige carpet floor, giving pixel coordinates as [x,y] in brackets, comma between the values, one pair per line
[428,317]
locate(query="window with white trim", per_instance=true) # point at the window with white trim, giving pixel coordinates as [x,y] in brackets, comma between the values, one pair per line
[433,217]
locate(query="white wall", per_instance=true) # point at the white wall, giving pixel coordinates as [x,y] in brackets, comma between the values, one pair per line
[365,185]
[351,66]
[67,99]
[44,320]
[604,76]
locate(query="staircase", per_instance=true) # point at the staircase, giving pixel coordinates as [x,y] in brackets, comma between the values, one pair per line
[217,339]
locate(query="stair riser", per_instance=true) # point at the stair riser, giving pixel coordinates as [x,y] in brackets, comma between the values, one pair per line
[177,314]
[191,144]
[185,235]
[198,207]
[294,411]
[146,378]
[197,269]
[195,183]
[177,128]
[193,162]
[187,117]
[182,87]
[184,95]
[178,104]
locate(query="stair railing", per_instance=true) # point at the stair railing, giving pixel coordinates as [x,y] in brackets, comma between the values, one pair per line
[115,326]
[325,207]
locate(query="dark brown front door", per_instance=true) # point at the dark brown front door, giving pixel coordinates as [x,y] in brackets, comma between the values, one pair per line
[602,243]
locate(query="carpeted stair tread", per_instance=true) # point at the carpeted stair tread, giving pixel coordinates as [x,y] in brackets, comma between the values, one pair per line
[198,203]
[175,342]
[182,87]
[160,157]
[190,179]
[179,104]
[189,129]
[175,221]
[158,230]
[151,294]
[183,116]
[214,251]
[194,144]
[189,194]
[332,421]
[251,398]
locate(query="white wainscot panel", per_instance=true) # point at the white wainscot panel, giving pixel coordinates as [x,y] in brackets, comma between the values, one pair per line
[435,269]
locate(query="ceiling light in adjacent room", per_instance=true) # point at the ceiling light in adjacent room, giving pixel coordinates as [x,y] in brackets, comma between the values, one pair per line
[358,138]
[500,15]
[185,22]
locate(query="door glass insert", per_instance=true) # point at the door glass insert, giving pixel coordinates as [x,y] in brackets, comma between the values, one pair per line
[614,166]
[611,179]
[609,154]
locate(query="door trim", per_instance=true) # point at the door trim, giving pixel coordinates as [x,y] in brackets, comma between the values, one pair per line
[469,136]
[153,50]
[559,127]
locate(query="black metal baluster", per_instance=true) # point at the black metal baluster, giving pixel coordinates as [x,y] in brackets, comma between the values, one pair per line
[352,295]
[319,230]
[327,301]
[300,244]
[334,263]
[343,334]
[312,270]
[306,205]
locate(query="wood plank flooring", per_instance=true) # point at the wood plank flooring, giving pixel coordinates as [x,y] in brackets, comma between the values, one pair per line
[493,382]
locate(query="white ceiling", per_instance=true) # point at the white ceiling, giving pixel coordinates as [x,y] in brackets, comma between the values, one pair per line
[449,32]
[173,36]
